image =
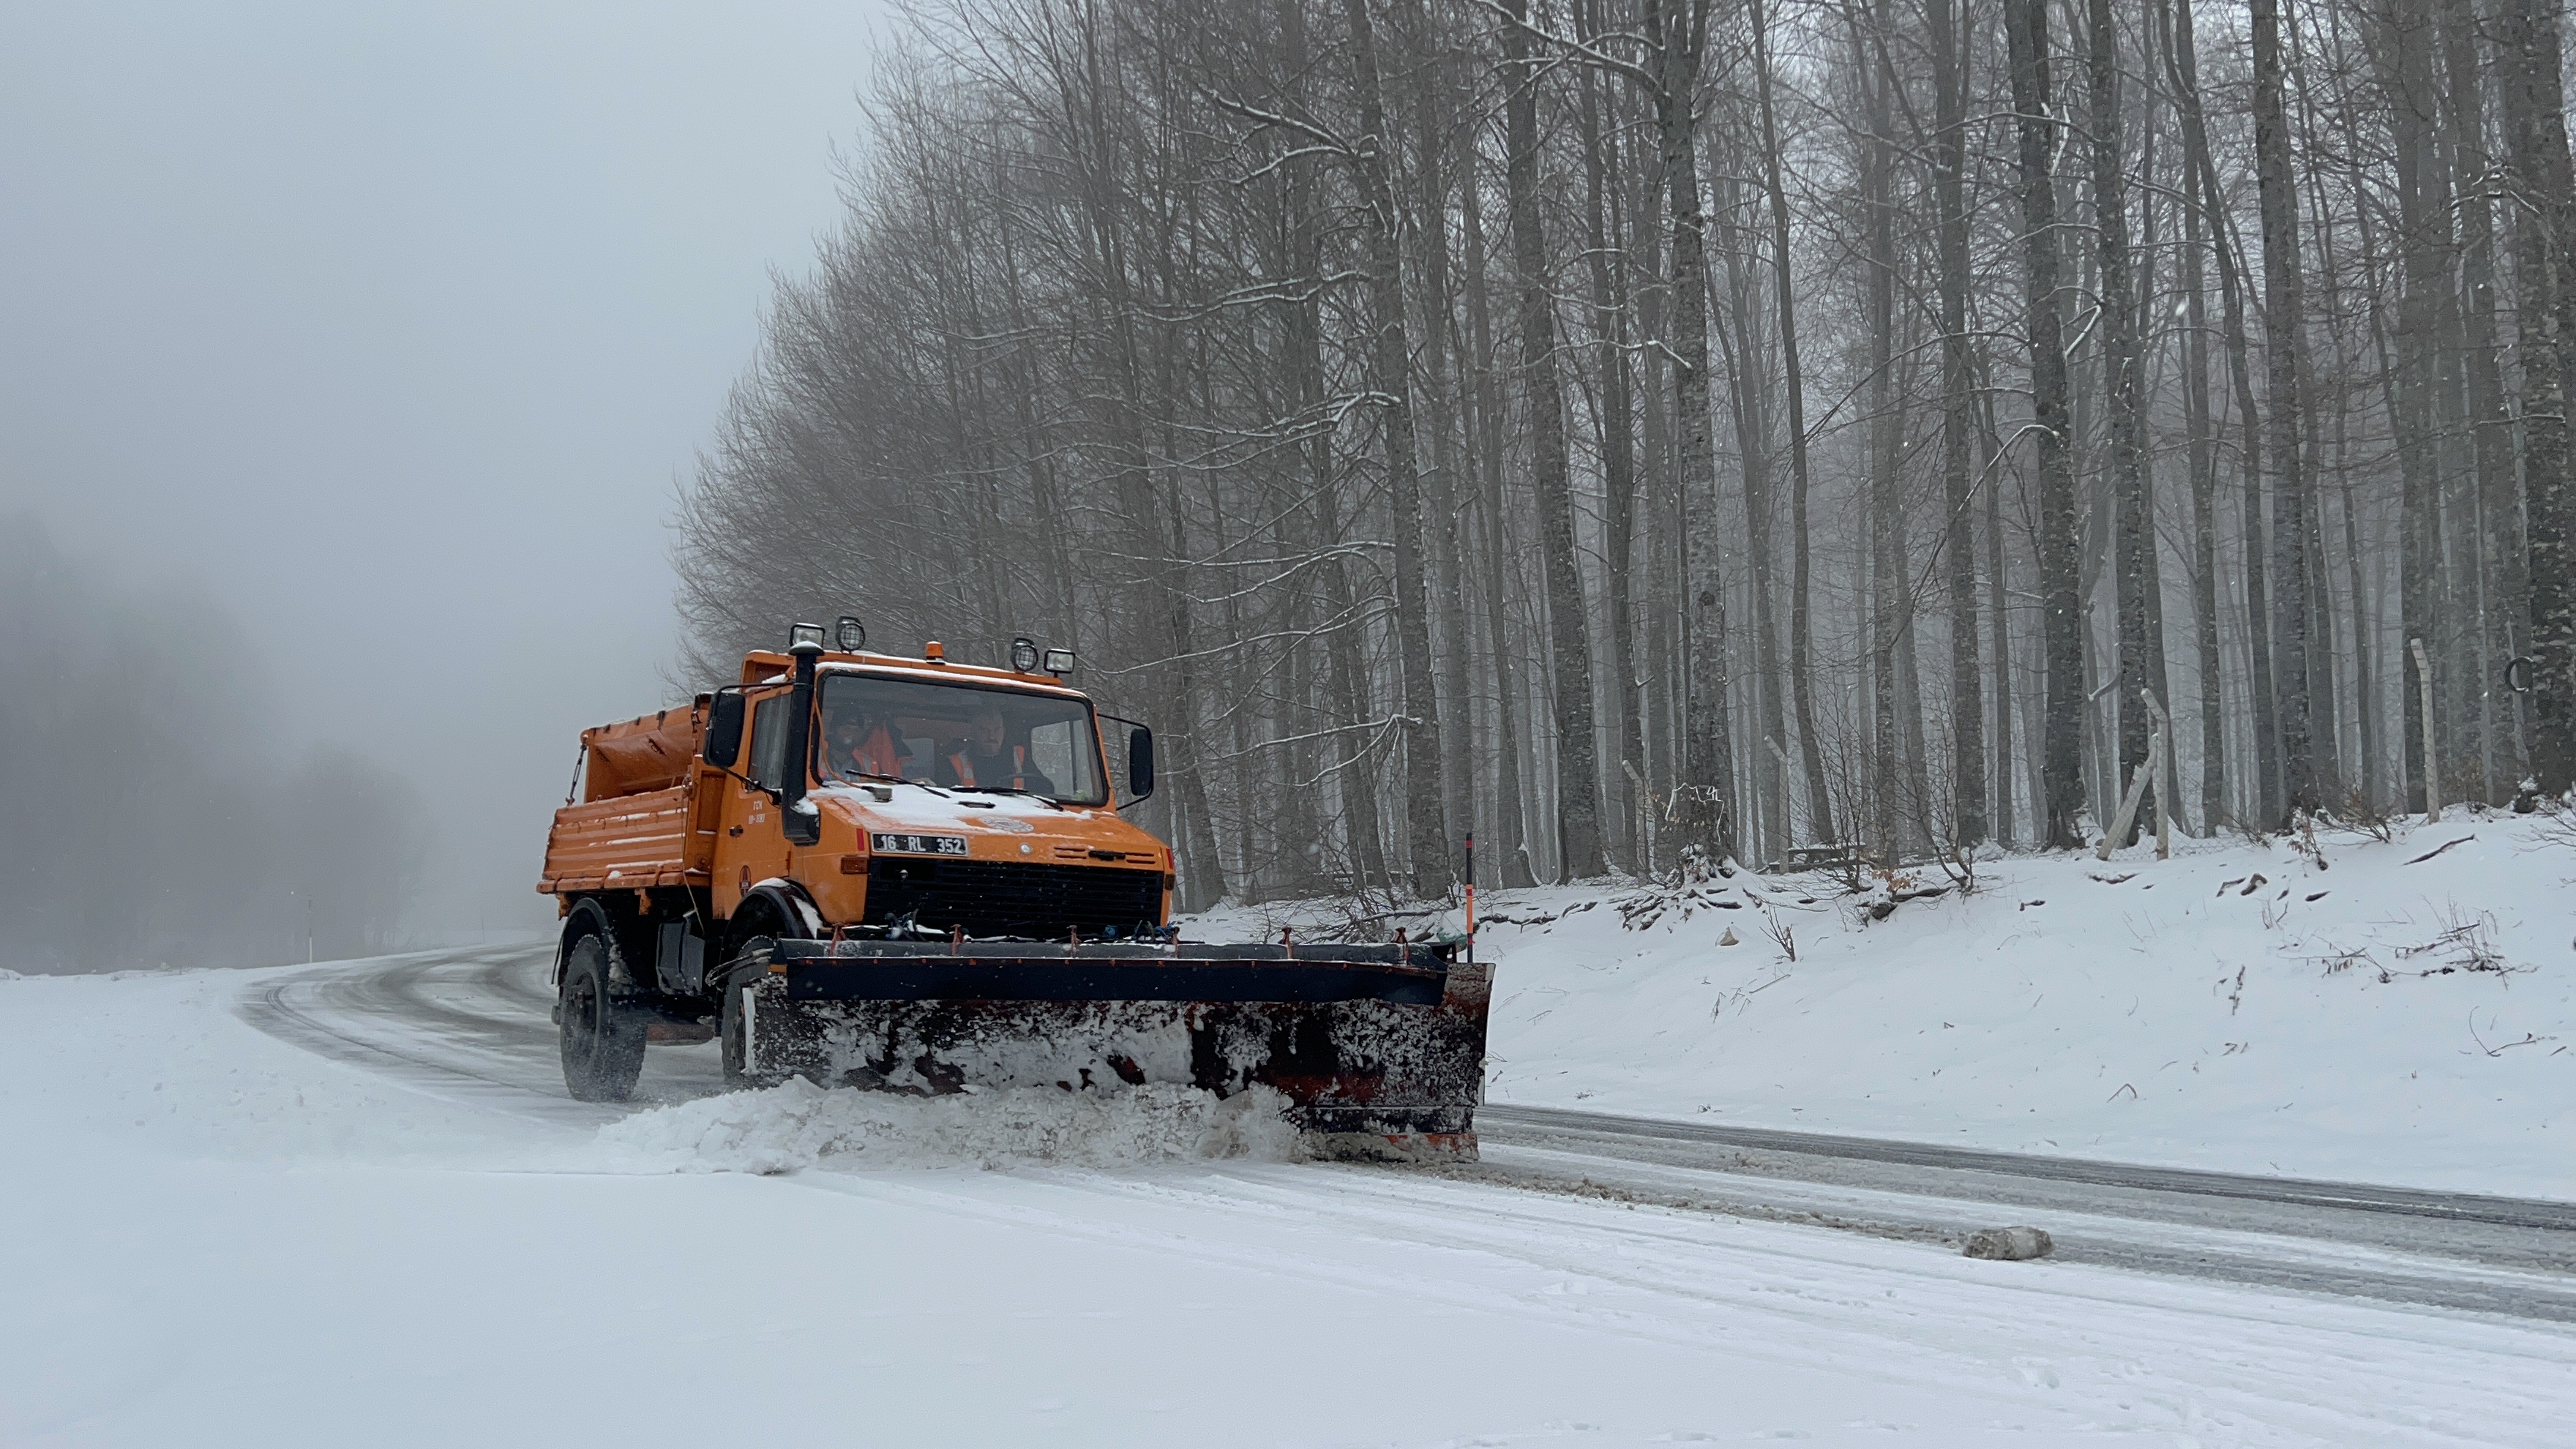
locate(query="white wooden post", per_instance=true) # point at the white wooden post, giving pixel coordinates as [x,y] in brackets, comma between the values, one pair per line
[1645,815]
[2156,747]
[2432,780]
[2128,805]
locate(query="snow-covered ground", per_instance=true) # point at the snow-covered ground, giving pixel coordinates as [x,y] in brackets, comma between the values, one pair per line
[2355,1011]
[215,1237]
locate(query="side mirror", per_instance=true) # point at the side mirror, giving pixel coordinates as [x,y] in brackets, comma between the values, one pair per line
[724,729]
[1140,763]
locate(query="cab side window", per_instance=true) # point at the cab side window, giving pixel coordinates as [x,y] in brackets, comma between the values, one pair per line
[1058,752]
[768,764]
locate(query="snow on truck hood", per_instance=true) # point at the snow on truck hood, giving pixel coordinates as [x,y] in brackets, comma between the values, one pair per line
[923,808]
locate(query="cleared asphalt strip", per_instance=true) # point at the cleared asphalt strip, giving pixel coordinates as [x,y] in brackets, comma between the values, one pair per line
[2515,1257]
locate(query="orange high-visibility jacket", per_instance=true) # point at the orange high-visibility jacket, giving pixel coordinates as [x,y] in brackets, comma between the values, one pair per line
[877,755]
[965,769]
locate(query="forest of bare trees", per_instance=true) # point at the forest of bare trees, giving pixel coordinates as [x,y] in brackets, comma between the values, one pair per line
[1646,430]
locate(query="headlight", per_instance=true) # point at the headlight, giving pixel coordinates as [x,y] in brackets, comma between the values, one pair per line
[804,636]
[1059,661]
[850,634]
[1024,654]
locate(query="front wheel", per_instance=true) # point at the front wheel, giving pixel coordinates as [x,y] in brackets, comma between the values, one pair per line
[601,1037]
[733,1026]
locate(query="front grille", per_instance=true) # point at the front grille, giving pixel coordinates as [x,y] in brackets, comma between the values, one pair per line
[1005,898]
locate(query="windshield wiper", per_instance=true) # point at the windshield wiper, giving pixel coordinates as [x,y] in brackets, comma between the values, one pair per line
[1016,790]
[852,776]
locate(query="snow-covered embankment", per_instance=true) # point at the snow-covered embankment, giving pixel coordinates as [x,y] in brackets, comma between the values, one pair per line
[2399,1011]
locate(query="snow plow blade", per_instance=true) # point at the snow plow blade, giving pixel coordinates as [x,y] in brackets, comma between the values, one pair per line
[1379,1050]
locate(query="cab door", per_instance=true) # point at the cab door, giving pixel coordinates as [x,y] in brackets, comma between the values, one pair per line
[751,845]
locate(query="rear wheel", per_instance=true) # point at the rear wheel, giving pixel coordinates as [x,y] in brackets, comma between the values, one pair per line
[748,967]
[601,1036]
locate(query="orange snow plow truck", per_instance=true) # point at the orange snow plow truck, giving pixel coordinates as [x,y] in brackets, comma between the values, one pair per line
[914,875]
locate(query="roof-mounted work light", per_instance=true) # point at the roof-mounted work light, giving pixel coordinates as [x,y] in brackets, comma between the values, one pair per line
[804,636]
[1024,654]
[1059,661]
[850,634]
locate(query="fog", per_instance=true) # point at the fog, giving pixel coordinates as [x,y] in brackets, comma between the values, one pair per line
[350,358]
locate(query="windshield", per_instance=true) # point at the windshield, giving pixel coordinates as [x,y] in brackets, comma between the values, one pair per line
[960,737]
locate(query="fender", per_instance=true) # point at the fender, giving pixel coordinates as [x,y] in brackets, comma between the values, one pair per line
[779,899]
[797,916]
[586,915]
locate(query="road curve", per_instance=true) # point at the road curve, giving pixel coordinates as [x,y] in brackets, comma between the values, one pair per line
[472,1024]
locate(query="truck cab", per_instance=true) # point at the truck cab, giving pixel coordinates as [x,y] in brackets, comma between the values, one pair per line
[928,797]
[842,794]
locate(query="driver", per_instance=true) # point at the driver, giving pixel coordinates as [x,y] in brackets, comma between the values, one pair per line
[860,744]
[986,760]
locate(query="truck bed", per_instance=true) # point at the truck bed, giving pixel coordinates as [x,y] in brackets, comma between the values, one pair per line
[629,841]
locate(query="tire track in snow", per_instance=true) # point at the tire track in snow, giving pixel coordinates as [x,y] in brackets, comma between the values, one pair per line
[416,1018]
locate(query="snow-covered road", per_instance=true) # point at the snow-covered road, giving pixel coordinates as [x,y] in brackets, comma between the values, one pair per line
[474,1024]
[376,1217]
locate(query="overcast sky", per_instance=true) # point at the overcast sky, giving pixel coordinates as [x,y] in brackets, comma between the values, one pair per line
[392,330]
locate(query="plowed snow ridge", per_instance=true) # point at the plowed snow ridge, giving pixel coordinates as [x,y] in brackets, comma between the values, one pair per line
[798,1125]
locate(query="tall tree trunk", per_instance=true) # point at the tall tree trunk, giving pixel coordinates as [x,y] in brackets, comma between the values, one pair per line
[2490,416]
[1967,706]
[2530,64]
[1512,860]
[2365,716]
[1608,268]
[1749,367]
[2062,768]
[1677,36]
[1889,595]
[1202,869]
[2504,610]
[1994,464]
[1802,689]
[2133,574]
[1578,775]
[2285,307]
[1348,760]
[1664,642]
[2404,50]
[1391,363]
[1441,493]
[2232,283]
[2326,719]
[2201,451]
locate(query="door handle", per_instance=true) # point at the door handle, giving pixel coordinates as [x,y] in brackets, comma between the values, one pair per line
[737,830]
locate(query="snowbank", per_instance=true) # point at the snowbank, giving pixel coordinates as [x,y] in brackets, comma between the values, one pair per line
[2400,1011]
[799,1125]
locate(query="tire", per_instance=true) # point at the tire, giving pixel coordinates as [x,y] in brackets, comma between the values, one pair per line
[601,1036]
[751,965]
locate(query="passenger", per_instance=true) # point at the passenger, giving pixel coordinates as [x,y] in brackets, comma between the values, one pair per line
[861,745]
[985,760]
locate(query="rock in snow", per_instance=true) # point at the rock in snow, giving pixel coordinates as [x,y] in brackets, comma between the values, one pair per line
[2010,1245]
